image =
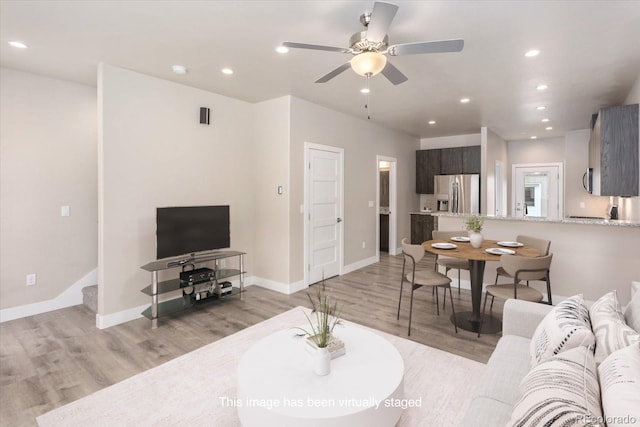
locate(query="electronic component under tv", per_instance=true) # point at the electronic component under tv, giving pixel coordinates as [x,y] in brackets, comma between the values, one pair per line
[190,229]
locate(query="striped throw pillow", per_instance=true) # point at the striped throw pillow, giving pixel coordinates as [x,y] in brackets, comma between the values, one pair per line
[620,387]
[565,327]
[562,391]
[609,327]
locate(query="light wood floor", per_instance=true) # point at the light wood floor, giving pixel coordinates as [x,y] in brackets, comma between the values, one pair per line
[54,358]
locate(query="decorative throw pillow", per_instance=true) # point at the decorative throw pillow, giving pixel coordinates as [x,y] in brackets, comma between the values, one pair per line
[566,326]
[562,391]
[609,327]
[632,312]
[620,387]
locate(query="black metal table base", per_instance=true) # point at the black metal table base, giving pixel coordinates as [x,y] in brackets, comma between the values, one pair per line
[490,325]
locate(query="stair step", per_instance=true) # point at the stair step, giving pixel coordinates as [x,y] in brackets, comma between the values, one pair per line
[90,297]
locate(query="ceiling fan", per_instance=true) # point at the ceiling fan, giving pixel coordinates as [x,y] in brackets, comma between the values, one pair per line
[370,46]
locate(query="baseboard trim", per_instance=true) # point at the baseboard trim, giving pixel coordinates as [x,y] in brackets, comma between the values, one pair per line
[283,288]
[359,264]
[70,297]
[108,320]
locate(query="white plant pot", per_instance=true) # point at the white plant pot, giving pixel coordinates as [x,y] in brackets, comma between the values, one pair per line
[322,361]
[475,239]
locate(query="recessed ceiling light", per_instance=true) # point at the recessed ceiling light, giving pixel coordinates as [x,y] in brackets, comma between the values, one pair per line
[541,107]
[432,122]
[465,100]
[542,87]
[227,71]
[365,90]
[532,53]
[548,128]
[545,120]
[18,44]
[179,69]
[534,137]
[282,49]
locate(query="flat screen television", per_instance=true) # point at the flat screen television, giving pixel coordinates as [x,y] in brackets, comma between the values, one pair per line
[189,229]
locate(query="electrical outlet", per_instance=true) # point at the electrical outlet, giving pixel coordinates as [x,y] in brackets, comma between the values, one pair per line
[364,245]
[582,205]
[31,279]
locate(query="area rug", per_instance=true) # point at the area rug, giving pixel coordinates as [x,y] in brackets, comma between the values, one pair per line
[191,389]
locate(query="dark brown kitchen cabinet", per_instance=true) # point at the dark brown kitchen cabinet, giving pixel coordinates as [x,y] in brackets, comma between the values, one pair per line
[451,161]
[384,232]
[421,228]
[471,159]
[427,166]
[613,152]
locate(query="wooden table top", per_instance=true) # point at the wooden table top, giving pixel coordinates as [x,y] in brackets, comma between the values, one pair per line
[465,251]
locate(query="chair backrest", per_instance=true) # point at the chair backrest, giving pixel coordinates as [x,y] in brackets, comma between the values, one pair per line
[439,234]
[540,244]
[513,265]
[415,251]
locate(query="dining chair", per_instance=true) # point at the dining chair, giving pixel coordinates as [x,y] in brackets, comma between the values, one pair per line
[520,268]
[412,254]
[450,263]
[540,244]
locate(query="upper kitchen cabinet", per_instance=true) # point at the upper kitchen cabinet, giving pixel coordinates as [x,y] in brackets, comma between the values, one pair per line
[613,152]
[444,161]
[451,161]
[471,159]
[427,166]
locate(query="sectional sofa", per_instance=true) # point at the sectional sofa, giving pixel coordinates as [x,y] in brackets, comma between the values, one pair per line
[571,364]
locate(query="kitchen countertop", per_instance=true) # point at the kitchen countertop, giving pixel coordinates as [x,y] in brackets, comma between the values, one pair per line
[586,221]
[422,213]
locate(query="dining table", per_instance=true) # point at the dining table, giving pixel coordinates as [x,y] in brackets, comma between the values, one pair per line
[478,257]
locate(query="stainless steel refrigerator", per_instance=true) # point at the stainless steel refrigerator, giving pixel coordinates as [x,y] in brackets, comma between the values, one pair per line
[458,193]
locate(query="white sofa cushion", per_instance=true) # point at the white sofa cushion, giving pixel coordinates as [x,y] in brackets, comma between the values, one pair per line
[632,312]
[609,327]
[620,386]
[562,391]
[565,327]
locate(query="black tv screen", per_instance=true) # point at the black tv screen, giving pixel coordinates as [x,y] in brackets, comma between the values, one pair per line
[191,229]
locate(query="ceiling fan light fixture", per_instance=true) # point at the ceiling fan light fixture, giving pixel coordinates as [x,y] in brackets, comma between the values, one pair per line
[368,63]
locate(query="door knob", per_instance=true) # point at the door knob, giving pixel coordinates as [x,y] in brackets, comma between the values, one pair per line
[339,220]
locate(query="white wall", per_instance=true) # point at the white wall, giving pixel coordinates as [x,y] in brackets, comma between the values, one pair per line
[47,160]
[270,169]
[362,140]
[450,141]
[153,152]
[493,149]
[633,97]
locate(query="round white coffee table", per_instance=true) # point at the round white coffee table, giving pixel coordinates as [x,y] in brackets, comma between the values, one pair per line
[277,386]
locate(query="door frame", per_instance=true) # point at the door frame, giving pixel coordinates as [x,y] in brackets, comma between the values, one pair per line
[560,177]
[308,146]
[393,199]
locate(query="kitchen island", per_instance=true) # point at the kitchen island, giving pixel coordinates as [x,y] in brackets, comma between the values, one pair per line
[590,256]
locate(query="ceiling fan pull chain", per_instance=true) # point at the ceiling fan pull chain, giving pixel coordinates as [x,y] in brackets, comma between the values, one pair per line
[366,105]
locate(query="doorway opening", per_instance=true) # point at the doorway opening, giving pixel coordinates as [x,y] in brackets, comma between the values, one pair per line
[537,190]
[387,219]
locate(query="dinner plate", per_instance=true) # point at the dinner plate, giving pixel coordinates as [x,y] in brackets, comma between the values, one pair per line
[444,245]
[510,244]
[460,239]
[500,251]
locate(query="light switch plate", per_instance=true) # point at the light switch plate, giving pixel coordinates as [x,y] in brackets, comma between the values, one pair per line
[64,211]
[371,203]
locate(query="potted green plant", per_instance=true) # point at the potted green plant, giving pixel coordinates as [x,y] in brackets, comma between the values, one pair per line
[324,318]
[474,225]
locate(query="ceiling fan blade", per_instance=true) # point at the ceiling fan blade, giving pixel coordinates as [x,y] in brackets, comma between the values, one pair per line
[381,17]
[316,47]
[394,75]
[440,46]
[334,73]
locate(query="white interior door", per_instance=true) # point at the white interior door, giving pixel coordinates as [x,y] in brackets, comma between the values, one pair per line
[324,195]
[537,190]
